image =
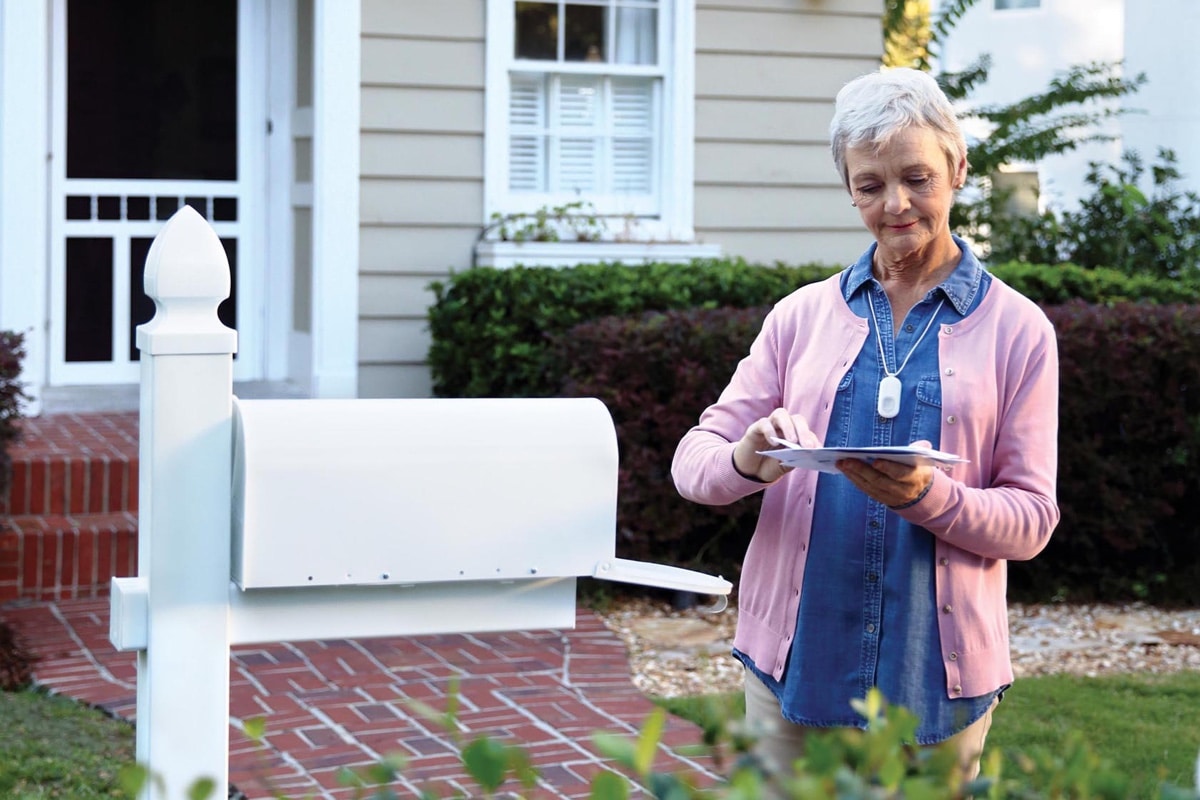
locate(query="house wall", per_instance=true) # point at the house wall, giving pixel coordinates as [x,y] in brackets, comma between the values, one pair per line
[422,177]
[1160,40]
[767,72]
[1028,48]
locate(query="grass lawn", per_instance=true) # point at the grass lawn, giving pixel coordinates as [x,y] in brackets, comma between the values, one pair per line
[1146,726]
[56,747]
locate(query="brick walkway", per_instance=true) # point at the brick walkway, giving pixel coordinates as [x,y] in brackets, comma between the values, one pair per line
[333,704]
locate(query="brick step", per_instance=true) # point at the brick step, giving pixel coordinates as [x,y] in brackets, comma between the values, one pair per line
[68,465]
[56,557]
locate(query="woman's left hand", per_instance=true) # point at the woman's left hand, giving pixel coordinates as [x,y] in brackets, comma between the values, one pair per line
[889,482]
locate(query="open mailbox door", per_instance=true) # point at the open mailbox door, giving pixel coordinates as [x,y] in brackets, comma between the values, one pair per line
[407,492]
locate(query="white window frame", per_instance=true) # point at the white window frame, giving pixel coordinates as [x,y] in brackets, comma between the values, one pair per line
[675,149]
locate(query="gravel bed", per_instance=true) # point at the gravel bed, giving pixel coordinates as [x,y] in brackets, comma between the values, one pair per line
[677,653]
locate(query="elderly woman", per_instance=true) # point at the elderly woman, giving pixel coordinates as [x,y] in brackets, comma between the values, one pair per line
[885,574]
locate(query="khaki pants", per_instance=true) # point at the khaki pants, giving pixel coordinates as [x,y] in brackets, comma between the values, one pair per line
[779,742]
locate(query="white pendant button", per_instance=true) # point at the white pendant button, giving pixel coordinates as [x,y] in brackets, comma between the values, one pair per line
[889,396]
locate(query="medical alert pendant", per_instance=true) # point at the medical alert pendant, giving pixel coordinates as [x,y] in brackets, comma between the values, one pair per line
[889,396]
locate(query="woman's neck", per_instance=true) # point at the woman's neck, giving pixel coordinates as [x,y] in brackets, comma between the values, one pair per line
[907,278]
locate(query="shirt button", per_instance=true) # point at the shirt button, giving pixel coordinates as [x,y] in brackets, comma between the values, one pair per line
[944,562]
[957,689]
[949,329]
[949,370]
[954,656]
[874,523]
[871,627]
[951,419]
[946,609]
[872,577]
[909,328]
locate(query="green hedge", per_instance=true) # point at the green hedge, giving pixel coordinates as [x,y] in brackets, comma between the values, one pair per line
[489,327]
[657,343]
[1129,444]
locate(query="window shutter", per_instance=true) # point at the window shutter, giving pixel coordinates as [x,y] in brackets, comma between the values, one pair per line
[633,126]
[527,142]
[579,104]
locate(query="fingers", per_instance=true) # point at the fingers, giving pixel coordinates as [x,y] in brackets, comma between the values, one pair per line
[784,425]
[889,482]
[793,428]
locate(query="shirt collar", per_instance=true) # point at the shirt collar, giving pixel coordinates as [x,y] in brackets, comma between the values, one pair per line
[960,287]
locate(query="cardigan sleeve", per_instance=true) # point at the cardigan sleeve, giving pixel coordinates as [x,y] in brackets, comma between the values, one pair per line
[703,463]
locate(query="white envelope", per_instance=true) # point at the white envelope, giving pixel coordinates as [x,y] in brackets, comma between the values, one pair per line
[824,458]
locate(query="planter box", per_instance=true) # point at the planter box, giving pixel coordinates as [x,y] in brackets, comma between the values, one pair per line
[503,255]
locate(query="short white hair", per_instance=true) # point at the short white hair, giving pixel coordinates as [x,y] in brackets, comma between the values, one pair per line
[873,108]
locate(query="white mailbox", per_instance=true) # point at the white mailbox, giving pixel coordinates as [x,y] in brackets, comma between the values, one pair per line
[403,492]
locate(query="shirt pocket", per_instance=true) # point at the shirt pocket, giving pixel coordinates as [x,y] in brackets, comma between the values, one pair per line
[843,408]
[927,415]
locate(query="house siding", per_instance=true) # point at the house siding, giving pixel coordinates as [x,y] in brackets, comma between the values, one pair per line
[767,72]
[765,187]
[421,187]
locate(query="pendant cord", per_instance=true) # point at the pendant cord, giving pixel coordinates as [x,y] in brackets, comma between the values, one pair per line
[911,350]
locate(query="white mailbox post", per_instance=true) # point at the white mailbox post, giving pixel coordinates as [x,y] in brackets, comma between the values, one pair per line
[287,520]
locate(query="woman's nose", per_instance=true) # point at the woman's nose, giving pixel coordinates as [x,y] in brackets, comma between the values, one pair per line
[895,200]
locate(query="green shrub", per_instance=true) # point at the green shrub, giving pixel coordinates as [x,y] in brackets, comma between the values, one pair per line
[490,326]
[1118,225]
[1129,443]
[1058,284]
[878,763]
[16,662]
[12,352]
[1129,456]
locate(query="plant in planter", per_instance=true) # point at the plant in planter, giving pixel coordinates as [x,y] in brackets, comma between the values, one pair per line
[577,221]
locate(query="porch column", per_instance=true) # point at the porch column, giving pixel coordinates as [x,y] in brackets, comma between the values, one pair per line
[24,181]
[336,87]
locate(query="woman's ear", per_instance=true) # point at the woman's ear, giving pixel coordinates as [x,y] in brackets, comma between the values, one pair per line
[960,174]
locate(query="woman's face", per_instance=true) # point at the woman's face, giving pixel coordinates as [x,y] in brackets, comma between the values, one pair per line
[904,191]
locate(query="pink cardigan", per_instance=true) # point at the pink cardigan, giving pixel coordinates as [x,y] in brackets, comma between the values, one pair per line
[999,374]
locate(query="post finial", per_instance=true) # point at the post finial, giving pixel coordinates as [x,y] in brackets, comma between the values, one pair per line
[187,277]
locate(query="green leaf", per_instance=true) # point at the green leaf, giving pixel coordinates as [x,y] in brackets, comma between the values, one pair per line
[133,778]
[201,789]
[609,786]
[386,770]
[348,777]
[648,741]
[255,728]
[486,761]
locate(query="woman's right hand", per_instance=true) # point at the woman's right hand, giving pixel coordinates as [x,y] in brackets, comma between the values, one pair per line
[781,425]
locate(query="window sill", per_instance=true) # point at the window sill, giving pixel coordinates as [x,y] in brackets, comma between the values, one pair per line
[502,255]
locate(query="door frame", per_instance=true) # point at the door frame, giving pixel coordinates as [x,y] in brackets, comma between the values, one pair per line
[27,160]
[249,229]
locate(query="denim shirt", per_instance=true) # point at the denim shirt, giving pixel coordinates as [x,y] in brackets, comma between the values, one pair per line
[868,616]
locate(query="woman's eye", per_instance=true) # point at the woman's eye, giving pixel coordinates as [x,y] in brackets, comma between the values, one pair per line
[870,189]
